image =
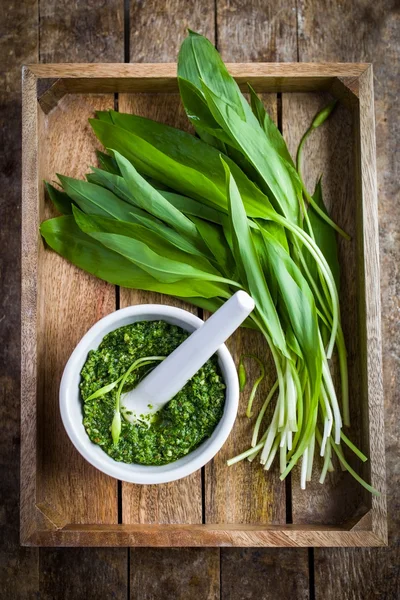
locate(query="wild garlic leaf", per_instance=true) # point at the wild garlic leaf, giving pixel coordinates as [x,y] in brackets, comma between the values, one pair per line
[199,114]
[198,61]
[325,238]
[175,238]
[160,267]
[107,162]
[146,197]
[300,306]
[193,208]
[281,180]
[94,199]
[113,182]
[119,186]
[248,263]
[64,236]
[61,200]
[155,241]
[214,239]
[269,127]
[179,160]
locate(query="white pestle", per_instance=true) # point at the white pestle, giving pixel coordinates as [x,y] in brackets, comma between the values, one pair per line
[170,376]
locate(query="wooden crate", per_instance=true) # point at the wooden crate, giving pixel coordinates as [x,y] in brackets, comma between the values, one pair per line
[64,500]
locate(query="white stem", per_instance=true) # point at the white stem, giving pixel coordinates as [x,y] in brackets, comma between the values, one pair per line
[310,457]
[272,454]
[332,396]
[291,398]
[327,460]
[282,457]
[272,430]
[283,438]
[328,419]
[262,413]
[303,475]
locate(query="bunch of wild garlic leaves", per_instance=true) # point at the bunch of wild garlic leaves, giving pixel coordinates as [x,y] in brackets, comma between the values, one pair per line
[199,217]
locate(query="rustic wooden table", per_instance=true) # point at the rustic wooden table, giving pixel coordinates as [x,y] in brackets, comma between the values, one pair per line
[151,31]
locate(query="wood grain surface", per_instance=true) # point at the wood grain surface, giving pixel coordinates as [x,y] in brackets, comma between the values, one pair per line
[317,31]
[329,153]
[14,17]
[356,573]
[64,474]
[75,31]
[179,574]
[244,493]
[178,501]
[182,573]
[240,28]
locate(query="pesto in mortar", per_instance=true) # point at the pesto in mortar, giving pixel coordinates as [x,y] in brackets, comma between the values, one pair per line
[182,425]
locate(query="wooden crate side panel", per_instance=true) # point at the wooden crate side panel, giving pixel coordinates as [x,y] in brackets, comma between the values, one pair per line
[372,343]
[28,307]
[69,302]
[224,535]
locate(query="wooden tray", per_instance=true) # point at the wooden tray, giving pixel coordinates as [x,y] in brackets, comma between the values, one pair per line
[65,501]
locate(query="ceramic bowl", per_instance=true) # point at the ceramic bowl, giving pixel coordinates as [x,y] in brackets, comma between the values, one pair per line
[71,401]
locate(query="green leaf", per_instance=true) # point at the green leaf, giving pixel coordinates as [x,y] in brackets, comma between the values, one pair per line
[325,238]
[248,263]
[200,115]
[63,235]
[104,115]
[108,163]
[299,305]
[61,200]
[281,180]
[213,236]
[111,181]
[179,160]
[160,267]
[192,207]
[269,127]
[118,186]
[147,198]
[199,61]
[94,199]
[167,233]
[91,224]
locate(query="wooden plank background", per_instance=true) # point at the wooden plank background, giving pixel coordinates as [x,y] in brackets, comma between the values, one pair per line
[151,30]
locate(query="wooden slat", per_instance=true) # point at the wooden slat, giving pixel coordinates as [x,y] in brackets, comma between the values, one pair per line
[180,501]
[75,32]
[79,32]
[83,573]
[329,153]
[16,21]
[359,574]
[68,486]
[181,574]
[257,31]
[264,573]
[245,493]
[254,31]
[161,77]
[157,28]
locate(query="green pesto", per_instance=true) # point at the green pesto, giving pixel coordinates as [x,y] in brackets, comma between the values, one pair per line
[182,425]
